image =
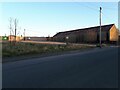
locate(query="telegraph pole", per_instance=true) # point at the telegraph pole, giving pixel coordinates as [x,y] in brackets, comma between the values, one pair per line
[10,29]
[100,27]
[15,28]
[24,34]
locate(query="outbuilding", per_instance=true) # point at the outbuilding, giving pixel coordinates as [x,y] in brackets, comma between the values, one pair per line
[109,34]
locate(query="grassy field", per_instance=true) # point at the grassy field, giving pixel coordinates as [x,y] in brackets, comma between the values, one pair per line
[20,48]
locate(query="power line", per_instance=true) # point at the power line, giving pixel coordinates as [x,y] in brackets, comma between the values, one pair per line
[106,16]
[110,8]
[94,9]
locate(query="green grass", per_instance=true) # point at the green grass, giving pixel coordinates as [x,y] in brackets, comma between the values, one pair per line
[9,49]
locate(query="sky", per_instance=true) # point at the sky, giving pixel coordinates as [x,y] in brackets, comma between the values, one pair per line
[48,18]
[119,15]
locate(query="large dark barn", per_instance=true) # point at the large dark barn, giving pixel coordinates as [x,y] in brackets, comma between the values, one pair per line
[109,33]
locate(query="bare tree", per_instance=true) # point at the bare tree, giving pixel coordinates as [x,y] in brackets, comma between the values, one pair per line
[15,24]
[10,27]
[13,28]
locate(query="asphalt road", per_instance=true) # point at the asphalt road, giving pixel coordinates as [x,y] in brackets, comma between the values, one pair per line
[97,68]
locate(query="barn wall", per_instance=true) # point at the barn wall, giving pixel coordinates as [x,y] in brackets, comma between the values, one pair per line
[103,35]
[72,38]
[89,35]
[86,36]
[114,33]
[60,38]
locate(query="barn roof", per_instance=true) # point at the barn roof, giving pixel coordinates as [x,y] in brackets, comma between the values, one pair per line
[96,28]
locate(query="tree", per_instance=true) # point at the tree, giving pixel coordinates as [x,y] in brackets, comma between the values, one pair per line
[13,27]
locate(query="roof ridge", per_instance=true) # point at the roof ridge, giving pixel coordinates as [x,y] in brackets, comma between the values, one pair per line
[87,28]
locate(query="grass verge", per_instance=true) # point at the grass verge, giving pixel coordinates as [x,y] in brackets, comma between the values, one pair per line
[20,48]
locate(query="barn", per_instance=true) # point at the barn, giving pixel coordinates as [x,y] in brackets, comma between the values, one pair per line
[109,33]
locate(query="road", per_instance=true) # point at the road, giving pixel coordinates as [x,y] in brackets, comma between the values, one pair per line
[97,68]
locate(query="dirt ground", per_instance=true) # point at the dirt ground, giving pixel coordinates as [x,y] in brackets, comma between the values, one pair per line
[45,42]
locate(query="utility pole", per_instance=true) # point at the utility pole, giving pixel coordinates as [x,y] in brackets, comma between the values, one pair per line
[15,28]
[24,34]
[100,27]
[10,29]
[10,36]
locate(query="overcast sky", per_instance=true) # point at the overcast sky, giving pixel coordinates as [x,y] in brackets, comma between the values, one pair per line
[48,18]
